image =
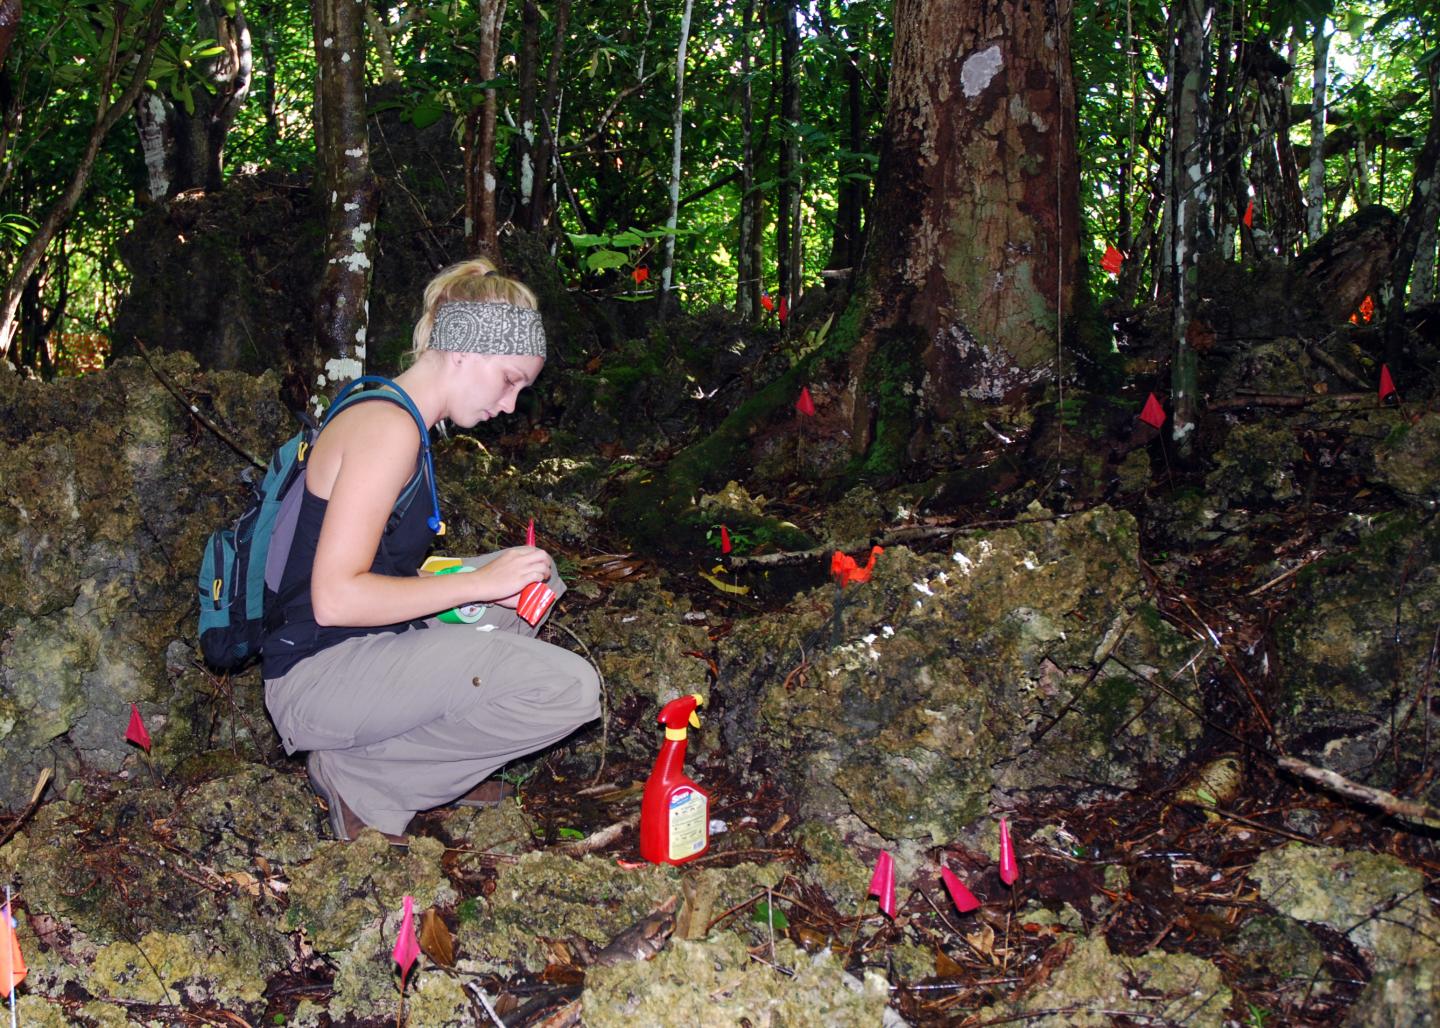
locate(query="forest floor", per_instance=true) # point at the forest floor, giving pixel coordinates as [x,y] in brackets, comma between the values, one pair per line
[1184,889]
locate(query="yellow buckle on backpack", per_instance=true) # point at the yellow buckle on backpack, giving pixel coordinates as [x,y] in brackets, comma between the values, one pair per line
[301,451]
[215,588]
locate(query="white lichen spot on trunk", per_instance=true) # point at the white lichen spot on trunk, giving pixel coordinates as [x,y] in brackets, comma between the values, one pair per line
[328,42]
[344,58]
[980,69]
[152,145]
[489,182]
[343,369]
[351,207]
[358,151]
[358,234]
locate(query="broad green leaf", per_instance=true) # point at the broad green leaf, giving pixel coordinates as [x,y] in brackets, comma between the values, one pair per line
[601,260]
[583,239]
[763,912]
[627,238]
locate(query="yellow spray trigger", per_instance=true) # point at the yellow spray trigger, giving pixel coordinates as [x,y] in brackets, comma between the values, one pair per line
[694,720]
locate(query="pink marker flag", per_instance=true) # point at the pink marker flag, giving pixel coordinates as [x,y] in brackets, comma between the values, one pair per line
[1387,384]
[965,900]
[882,884]
[1009,869]
[1153,414]
[530,533]
[136,732]
[407,947]
[805,405]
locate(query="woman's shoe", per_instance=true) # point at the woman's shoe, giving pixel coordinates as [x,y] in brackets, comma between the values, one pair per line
[490,793]
[344,822]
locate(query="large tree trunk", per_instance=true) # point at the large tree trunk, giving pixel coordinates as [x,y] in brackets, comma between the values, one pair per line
[183,147]
[525,139]
[342,146]
[9,25]
[974,229]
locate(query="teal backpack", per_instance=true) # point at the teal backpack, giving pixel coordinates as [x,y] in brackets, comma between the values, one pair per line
[241,567]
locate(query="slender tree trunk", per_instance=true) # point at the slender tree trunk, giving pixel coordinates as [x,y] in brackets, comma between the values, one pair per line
[1315,190]
[482,229]
[1421,216]
[787,231]
[667,266]
[525,140]
[107,114]
[268,60]
[540,200]
[974,232]
[1188,202]
[747,288]
[342,146]
[380,42]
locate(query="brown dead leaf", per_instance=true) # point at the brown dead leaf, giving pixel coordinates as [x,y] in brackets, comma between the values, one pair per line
[947,966]
[983,943]
[435,939]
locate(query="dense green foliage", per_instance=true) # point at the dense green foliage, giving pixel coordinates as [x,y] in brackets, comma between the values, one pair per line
[614,119]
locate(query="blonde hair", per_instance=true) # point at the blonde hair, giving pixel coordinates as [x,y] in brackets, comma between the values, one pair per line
[475,279]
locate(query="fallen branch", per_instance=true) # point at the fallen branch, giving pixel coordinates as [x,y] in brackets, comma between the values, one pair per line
[30,807]
[1405,810]
[1284,400]
[194,409]
[599,840]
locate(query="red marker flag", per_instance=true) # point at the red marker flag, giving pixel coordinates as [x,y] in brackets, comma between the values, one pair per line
[1365,312]
[1153,414]
[1009,869]
[640,274]
[407,947]
[766,302]
[12,961]
[724,539]
[784,310]
[805,405]
[965,900]
[882,884]
[1249,217]
[1112,260]
[530,533]
[136,732]
[844,569]
[1387,384]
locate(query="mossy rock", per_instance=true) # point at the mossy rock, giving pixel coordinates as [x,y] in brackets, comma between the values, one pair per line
[716,983]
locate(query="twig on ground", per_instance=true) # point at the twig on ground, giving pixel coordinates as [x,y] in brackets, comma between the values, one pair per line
[194,409]
[599,840]
[30,807]
[1405,810]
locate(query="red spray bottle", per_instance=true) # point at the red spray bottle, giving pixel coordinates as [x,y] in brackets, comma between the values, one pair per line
[674,812]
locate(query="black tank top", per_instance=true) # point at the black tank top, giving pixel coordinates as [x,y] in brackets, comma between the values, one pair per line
[403,547]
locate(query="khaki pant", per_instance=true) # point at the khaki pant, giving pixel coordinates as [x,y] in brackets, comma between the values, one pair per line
[412,720]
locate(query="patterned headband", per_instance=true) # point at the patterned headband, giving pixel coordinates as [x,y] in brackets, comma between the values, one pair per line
[474,326]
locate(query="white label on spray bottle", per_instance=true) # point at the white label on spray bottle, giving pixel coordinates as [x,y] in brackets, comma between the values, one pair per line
[689,818]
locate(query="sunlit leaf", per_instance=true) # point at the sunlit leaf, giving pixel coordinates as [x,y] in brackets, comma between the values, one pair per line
[602,260]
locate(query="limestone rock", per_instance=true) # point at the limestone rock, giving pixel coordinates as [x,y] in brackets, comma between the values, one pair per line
[903,708]
[1093,986]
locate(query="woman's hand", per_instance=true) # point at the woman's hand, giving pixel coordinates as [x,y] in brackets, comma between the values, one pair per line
[512,571]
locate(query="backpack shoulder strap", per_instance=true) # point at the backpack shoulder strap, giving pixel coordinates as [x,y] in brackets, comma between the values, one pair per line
[388,390]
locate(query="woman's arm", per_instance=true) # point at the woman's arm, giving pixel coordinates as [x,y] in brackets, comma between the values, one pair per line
[376,457]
